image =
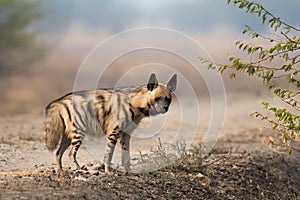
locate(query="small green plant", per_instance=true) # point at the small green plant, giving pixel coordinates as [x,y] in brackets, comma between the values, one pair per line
[178,157]
[188,158]
[276,64]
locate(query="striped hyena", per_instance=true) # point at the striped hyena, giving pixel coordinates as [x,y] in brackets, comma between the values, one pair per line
[116,112]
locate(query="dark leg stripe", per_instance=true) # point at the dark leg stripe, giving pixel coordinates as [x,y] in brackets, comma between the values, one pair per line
[113,140]
[77,124]
[77,137]
[113,135]
[76,143]
[81,130]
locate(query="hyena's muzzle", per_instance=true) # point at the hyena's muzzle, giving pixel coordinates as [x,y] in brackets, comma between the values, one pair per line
[162,104]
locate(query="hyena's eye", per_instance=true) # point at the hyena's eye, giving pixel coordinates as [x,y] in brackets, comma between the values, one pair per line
[157,99]
[168,99]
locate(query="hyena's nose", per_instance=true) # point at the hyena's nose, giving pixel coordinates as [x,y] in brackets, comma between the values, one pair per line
[166,108]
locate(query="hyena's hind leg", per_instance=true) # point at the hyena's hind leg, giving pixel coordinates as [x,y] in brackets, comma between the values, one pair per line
[112,139]
[64,144]
[125,146]
[76,142]
[73,156]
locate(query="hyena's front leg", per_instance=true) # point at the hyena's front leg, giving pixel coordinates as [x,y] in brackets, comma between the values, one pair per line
[125,145]
[112,139]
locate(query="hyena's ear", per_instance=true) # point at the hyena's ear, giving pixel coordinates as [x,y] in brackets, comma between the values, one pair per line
[172,83]
[152,83]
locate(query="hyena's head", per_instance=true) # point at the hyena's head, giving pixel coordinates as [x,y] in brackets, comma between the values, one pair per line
[161,95]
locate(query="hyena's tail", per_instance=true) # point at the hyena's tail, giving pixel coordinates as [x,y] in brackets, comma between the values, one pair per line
[55,126]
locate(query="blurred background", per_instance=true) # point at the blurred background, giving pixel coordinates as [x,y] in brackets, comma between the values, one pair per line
[43,43]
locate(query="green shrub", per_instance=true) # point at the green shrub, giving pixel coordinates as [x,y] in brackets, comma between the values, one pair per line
[277,64]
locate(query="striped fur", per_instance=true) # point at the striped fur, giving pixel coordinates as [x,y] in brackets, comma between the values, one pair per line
[116,112]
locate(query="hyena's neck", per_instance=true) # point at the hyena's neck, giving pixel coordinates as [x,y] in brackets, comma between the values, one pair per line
[139,103]
[140,98]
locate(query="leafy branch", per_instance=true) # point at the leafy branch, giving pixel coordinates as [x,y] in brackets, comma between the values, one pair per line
[276,64]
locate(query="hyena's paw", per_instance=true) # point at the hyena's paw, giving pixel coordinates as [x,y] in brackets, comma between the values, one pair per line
[126,173]
[109,172]
[60,173]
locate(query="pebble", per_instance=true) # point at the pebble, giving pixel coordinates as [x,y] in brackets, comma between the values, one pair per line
[94,179]
[94,172]
[97,167]
[200,175]
[5,146]
[80,178]
[204,180]
[80,171]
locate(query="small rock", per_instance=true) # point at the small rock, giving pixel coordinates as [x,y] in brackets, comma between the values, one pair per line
[235,167]
[80,171]
[200,175]
[98,167]
[84,167]
[135,161]
[90,164]
[80,178]
[94,172]
[204,180]
[92,179]
[4,146]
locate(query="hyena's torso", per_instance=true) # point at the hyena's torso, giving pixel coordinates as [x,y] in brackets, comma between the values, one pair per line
[116,112]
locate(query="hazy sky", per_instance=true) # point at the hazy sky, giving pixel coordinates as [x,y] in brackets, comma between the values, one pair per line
[83,24]
[212,23]
[183,15]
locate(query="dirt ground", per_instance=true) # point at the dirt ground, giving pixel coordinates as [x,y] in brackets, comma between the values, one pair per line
[239,167]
